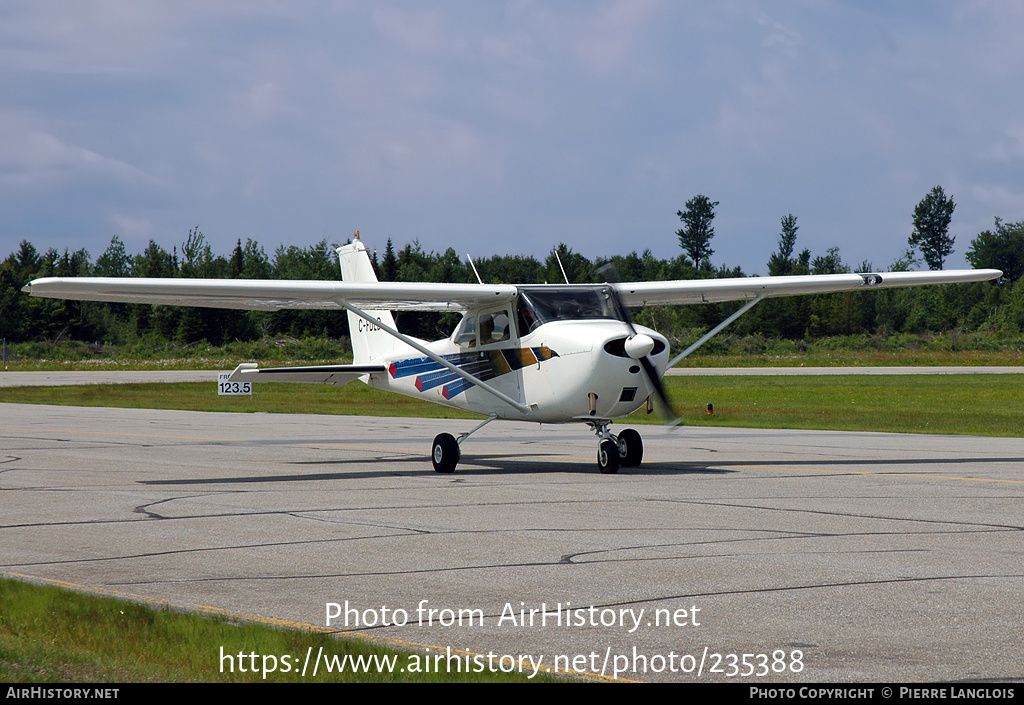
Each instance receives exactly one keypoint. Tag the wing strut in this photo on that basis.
(435, 357)
(714, 331)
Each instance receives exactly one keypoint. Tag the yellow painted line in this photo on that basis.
(344, 446)
(118, 434)
(421, 451)
(879, 474)
(392, 642)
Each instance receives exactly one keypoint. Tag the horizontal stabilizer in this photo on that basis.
(315, 374)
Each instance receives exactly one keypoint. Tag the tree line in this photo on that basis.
(996, 307)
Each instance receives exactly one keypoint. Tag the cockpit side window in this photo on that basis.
(493, 327)
(483, 329)
(465, 335)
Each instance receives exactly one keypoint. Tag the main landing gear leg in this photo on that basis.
(446, 452)
(626, 449)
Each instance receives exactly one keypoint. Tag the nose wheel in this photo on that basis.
(608, 457)
(613, 452)
(631, 448)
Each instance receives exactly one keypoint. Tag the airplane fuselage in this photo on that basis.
(554, 369)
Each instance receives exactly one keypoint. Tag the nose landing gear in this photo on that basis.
(608, 457)
(625, 449)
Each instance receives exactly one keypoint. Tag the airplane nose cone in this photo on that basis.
(638, 346)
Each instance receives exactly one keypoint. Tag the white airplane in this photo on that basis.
(543, 353)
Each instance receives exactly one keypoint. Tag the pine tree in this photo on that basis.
(695, 236)
(782, 263)
(389, 265)
(931, 227)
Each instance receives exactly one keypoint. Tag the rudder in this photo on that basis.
(369, 343)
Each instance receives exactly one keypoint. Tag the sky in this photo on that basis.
(507, 127)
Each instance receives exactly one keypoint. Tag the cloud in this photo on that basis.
(34, 158)
(133, 229)
(1010, 145)
(608, 39)
(431, 119)
(418, 31)
(1001, 199)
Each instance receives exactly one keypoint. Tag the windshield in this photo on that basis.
(538, 305)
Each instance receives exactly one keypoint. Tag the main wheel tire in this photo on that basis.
(445, 453)
(631, 448)
(608, 457)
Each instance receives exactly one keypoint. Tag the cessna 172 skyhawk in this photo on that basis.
(544, 353)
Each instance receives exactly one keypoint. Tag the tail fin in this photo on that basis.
(369, 343)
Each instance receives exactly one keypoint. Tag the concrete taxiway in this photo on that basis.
(877, 557)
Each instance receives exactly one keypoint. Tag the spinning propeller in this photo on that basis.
(638, 345)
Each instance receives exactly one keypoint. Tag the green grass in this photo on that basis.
(48, 635)
(984, 405)
(860, 358)
(989, 405)
(353, 399)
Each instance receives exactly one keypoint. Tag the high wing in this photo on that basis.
(737, 289)
(271, 295)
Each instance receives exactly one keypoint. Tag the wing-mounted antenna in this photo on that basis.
(479, 280)
(560, 266)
